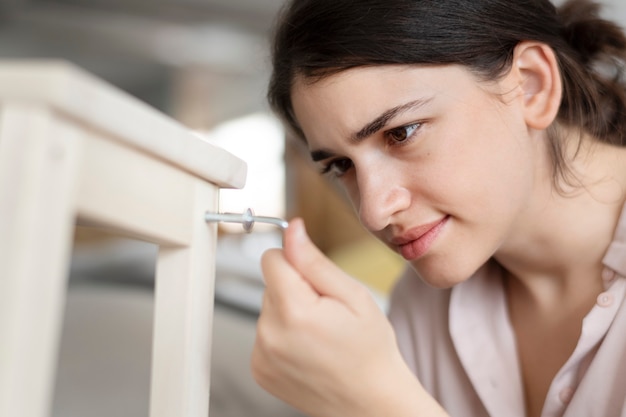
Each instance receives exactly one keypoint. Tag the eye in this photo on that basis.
(402, 134)
(337, 167)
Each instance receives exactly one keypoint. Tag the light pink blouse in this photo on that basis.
(461, 345)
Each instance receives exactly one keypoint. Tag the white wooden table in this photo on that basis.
(75, 150)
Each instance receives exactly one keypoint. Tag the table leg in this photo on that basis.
(183, 317)
(38, 172)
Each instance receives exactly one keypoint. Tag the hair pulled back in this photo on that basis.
(317, 38)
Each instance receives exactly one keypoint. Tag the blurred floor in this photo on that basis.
(104, 364)
(104, 359)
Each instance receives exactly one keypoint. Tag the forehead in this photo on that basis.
(339, 105)
(362, 81)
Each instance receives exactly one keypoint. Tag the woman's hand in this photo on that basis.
(323, 345)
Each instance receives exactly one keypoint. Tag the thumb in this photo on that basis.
(321, 273)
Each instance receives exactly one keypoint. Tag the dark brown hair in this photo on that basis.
(317, 38)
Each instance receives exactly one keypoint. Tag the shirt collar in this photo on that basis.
(615, 257)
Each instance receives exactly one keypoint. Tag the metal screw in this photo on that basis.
(247, 219)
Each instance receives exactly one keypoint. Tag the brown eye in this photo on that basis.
(401, 134)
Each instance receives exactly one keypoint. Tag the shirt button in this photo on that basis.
(608, 275)
(566, 395)
(605, 299)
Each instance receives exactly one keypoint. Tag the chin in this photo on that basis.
(443, 275)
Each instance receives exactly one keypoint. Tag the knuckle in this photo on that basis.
(258, 367)
(268, 342)
(294, 317)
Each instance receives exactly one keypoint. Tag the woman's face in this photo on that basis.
(438, 166)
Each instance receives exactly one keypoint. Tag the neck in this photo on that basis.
(555, 252)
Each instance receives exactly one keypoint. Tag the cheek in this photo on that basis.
(480, 169)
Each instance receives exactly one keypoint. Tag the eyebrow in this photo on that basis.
(373, 126)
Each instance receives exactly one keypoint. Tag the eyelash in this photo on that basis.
(409, 131)
(413, 127)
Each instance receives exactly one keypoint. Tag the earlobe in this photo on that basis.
(538, 70)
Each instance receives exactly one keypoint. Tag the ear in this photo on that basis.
(535, 65)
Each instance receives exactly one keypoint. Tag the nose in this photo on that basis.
(380, 197)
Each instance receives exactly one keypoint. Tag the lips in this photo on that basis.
(417, 241)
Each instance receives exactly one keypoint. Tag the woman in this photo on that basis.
(483, 141)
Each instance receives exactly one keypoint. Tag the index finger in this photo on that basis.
(283, 283)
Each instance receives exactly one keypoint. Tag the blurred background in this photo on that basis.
(204, 63)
